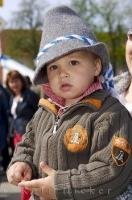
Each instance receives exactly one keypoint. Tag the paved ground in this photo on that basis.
(8, 191)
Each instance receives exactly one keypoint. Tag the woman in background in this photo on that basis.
(123, 82)
(123, 86)
(23, 105)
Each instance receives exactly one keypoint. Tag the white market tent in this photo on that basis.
(8, 64)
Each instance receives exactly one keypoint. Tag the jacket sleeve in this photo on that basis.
(24, 150)
(108, 170)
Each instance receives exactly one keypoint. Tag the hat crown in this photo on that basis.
(63, 21)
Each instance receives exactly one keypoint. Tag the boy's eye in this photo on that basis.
(74, 62)
(52, 67)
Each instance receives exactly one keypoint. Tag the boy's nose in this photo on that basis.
(64, 74)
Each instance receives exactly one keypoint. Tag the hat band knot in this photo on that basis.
(82, 38)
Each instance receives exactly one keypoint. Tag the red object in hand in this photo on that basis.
(25, 194)
(17, 138)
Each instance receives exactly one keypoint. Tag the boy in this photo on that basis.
(81, 133)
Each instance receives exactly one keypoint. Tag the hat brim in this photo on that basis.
(63, 48)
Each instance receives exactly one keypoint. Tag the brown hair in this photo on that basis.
(14, 74)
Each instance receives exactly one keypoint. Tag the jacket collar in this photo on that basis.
(95, 100)
(60, 101)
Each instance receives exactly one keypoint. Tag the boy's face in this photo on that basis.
(71, 75)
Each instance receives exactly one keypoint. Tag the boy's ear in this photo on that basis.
(98, 67)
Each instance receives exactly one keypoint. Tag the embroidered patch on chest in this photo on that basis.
(76, 139)
(121, 150)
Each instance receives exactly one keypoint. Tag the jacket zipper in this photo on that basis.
(55, 125)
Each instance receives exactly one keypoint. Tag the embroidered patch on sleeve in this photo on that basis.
(121, 150)
(76, 139)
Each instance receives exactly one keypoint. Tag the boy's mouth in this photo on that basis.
(65, 87)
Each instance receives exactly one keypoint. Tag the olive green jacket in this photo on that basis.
(89, 146)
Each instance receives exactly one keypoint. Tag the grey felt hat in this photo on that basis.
(64, 32)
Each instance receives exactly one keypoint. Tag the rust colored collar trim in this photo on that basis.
(48, 104)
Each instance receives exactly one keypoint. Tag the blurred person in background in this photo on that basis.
(123, 85)
(123, 82)
(4, 108)
(23, 105)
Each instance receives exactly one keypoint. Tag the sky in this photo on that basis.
(12, 5)
(8, 7)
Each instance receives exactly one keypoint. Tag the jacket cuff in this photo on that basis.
(26, 160)
(63, 185)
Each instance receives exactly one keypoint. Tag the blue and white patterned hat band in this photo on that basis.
(84, 39)
(65, 32)
(107, 78)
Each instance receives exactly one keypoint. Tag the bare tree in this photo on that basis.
(106, 16)
(85, 10)
(29, 14)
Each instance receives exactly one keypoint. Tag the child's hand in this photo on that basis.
(43, 187)
(19, 171)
